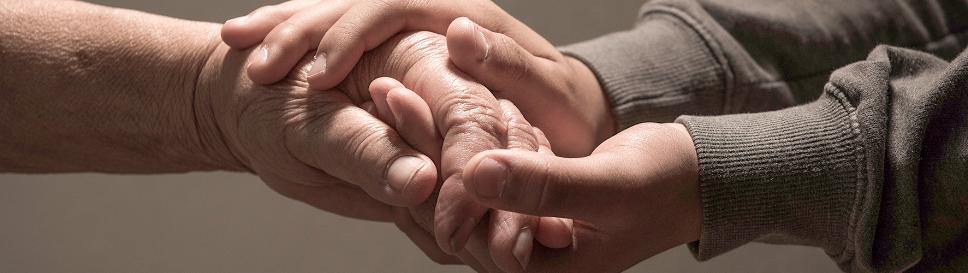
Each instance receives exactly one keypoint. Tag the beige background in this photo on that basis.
(225, 222)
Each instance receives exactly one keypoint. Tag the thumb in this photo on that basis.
(496, 60)
(545, 185)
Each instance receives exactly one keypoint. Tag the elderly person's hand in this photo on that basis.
(635, 196)
(560, 94)
(304, 142)
(129, 92)
(318, 147)
(509, 242)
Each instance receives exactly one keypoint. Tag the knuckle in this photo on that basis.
(290, 33)
(470, 112)
(424, 45)
(540, 182)
(341, 35)
(366, 142)
(521, 136)
(351, 140)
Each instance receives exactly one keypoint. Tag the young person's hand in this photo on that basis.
(342, 30)
(635, 196)
(557, 93)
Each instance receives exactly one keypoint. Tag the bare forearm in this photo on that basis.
(91, 88)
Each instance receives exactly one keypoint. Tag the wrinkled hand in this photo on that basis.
(635, 196)
(559, 94)
(314, 146)
(509, 242)
(305, 143)
(470, 120)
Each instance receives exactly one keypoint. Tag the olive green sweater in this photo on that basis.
(800, 139)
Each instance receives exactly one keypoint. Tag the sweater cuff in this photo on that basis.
(657, 71)
(787, 176)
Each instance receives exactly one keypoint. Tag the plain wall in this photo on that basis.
(229, 222)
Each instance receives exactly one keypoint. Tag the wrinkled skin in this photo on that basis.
(557, 93)
(306, 143)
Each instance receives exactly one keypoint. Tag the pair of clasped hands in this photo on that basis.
(438, 144)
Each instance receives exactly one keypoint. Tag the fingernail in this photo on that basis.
(489, 178)
(402, 171)
(522, 247)
(319, 64)
(397, 117)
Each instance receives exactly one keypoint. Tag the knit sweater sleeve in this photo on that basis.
(874, 171)
(869, 166)
(707, 57)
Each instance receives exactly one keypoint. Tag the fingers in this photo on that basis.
(544, 145)
(371, 23)
(455, 216)
(362, 28)
(366, 26)
(470, 121)
(379, 88)
(511, 236)
(498, 61)
(408, 113)
(554, 232)
(520, 133)
(511, 242)
(291, 39)
(475, 255)
(513, 71)
(477, 248)
(246, 31)
(511, 239)
(350, 144)
(540, 184)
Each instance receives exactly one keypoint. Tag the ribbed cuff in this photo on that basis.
(787, 176)
(655, 72)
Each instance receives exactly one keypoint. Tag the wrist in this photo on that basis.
(208, 104)
(591, 100)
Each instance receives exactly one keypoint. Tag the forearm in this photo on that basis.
(91, 88)
(704, 57)
(872, 171)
